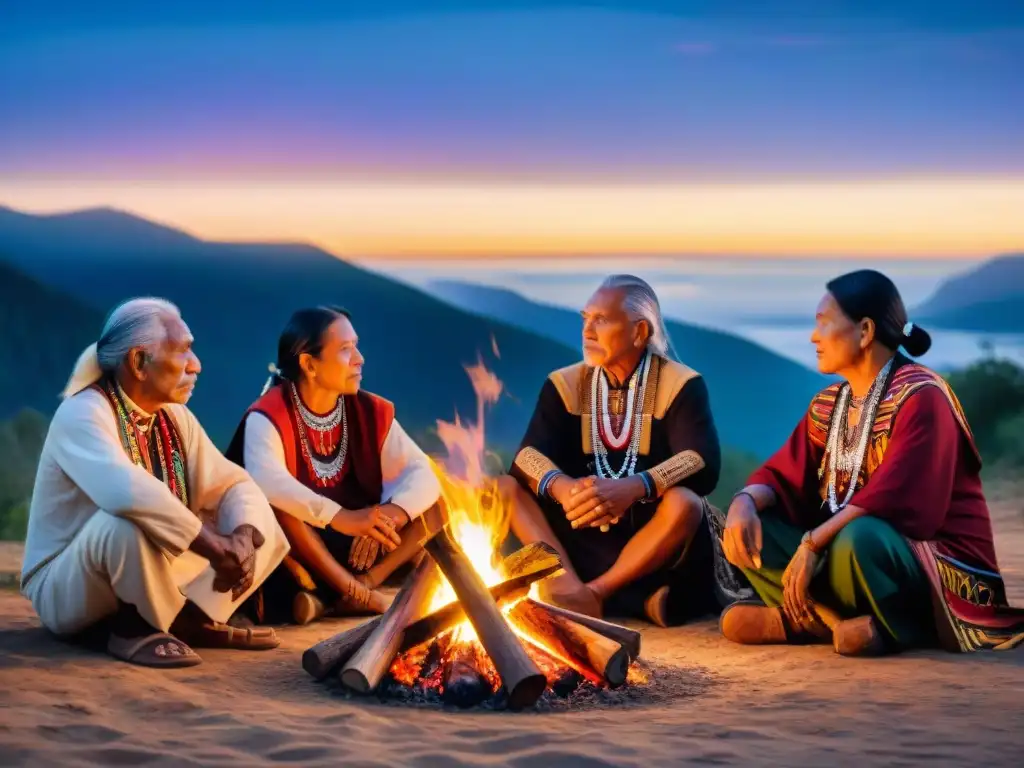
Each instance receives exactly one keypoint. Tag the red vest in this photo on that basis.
(368, 418)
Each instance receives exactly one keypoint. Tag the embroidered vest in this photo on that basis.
(369, 420)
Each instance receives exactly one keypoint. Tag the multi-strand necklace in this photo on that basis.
(841, 455)
(603, 436)
(141, 438)
(323, 431)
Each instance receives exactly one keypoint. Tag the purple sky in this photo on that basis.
(538, 90)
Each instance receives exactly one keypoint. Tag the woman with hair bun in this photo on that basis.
(869, 528)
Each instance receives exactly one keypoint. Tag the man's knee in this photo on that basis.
(113, 534)
(862, 539)
(682, 508)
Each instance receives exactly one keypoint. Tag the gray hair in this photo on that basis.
(135, 323)
(641, 303)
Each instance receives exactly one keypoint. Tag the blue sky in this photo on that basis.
(101, 100)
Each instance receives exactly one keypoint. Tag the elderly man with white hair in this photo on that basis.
(615, 466)
(137, 520)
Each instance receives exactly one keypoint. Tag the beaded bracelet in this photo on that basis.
(545, 482)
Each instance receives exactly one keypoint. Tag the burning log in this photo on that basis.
(574, 643)
(629, 638)
(464, 683)
(523, 567)
(365, 669)
(414, 536)
(531, 563)
(523, 681)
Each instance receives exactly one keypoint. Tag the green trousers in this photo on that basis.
(869, 569)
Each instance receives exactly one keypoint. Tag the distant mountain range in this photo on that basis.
(988, 298)
(757, 396)
(237, 297)
(61, 274)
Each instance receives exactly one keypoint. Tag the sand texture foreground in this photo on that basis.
(61, 705)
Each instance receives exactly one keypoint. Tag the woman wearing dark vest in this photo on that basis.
(340, 472)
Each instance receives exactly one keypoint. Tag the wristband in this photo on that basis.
(545, 482)
(749, 495)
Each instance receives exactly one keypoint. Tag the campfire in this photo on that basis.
(464, 627)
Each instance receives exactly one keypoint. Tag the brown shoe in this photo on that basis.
(753, 624)
(858, 637)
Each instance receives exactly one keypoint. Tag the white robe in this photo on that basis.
(408, 479)
(101, 528)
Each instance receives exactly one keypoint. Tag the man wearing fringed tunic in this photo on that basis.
(343, 476)
(869, 528)
(615, 466)
(137, 523)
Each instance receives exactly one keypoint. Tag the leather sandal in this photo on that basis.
(217, 635)
(160, 650)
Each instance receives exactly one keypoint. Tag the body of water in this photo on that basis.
(950, 349)
(724, 293)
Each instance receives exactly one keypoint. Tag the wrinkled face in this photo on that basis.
(168, 373)
(609, 335)
(838, 340)
(339, 367)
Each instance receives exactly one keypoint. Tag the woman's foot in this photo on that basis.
(753, 624)
(567, 591)
(656, 607)
(307, 607)
(859, 637)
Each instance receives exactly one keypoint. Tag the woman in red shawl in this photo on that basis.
(869, 527)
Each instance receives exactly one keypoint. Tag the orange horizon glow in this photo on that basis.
(933, 218)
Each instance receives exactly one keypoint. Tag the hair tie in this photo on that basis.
(275, 372)
(908, 329)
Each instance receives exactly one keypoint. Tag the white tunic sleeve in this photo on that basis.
(84, 442)
(409, 480)
(264, 460)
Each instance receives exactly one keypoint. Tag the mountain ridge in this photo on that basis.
(237, 298)
(988, 297)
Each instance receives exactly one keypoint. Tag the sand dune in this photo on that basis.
(67, 706)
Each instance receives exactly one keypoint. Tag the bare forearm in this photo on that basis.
(763, 496)
(827, 531)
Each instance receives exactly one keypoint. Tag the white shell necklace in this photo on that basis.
(325, 471)
(839, 457)
(631, 423)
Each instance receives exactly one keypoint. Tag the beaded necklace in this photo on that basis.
(142, 442)
(324, 466)
(603, 436)
(842, 456)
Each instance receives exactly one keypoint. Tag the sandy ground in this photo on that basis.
(65, 706)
